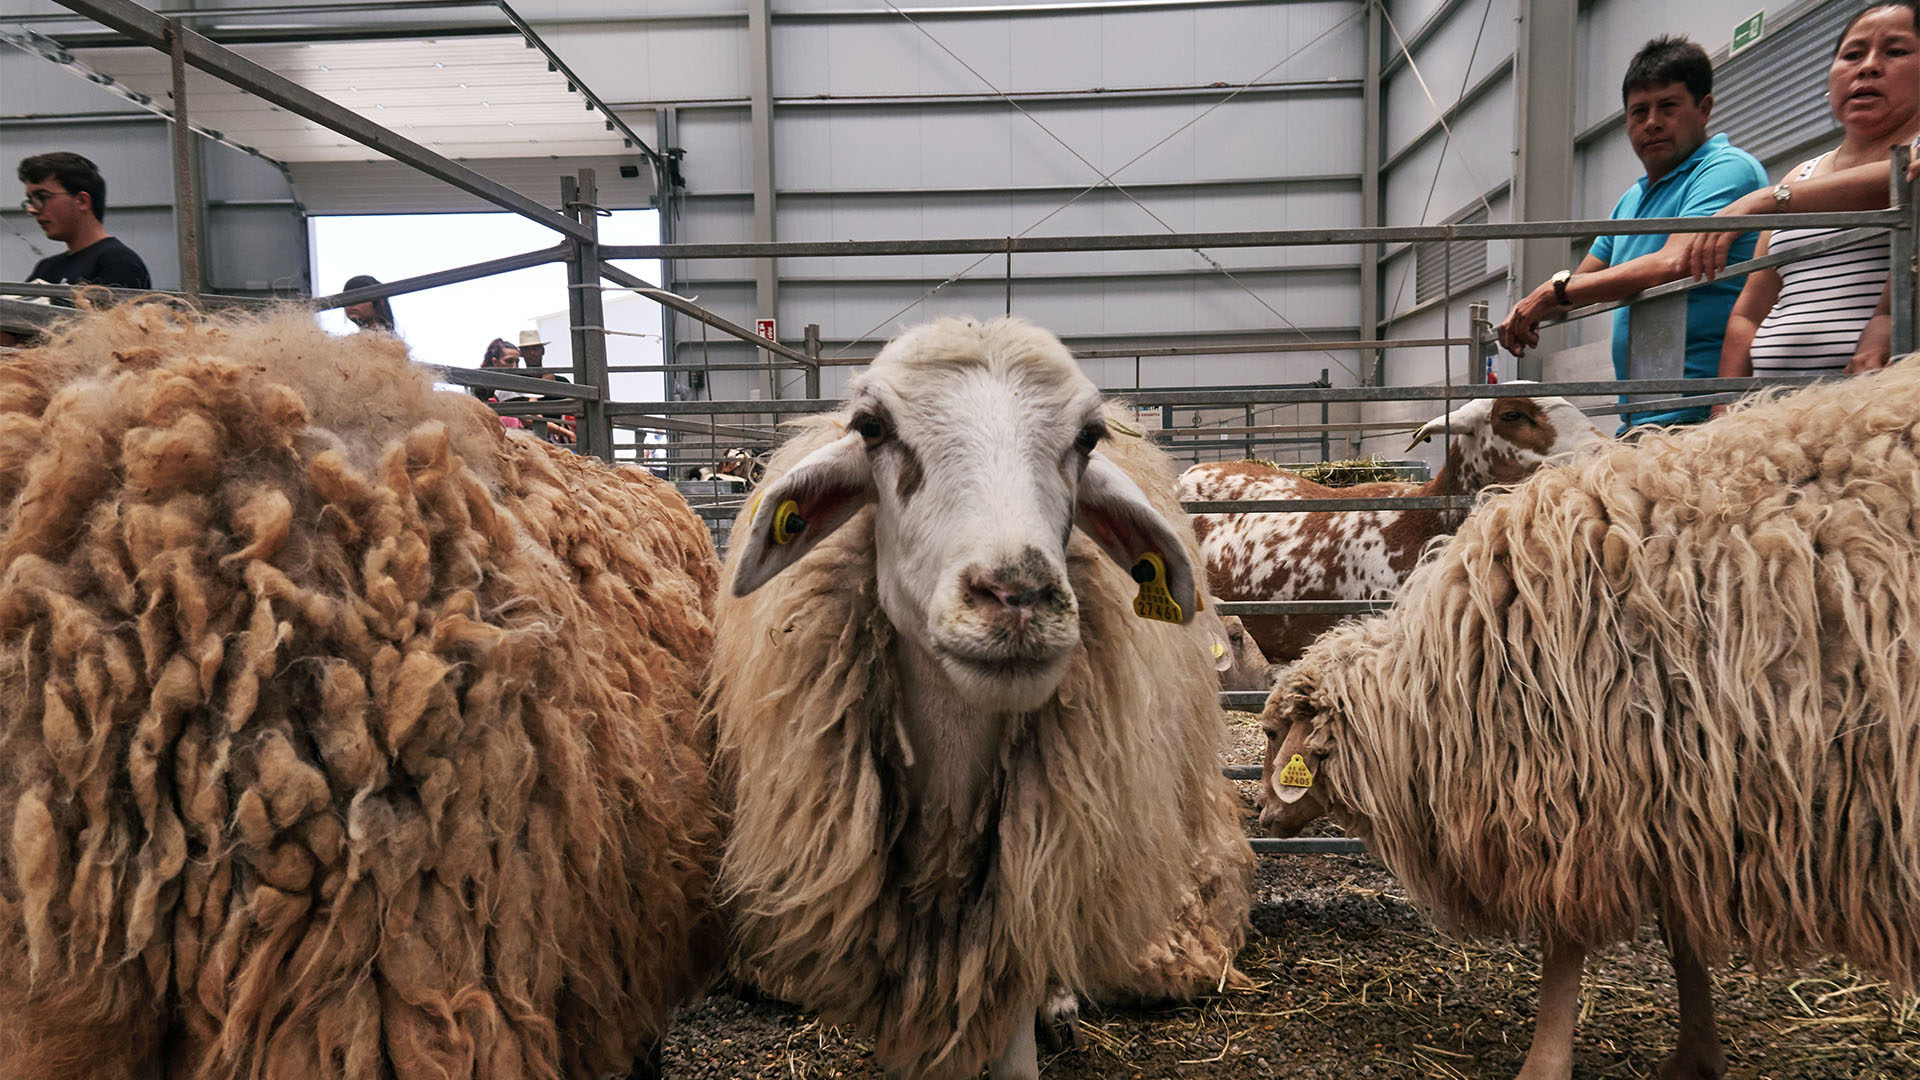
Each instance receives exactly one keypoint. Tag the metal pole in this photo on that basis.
(148, 28)
(813, 373)
(1903, 278)
(1373, 364)
(580, 200)
(185, 210)
(1479, 328)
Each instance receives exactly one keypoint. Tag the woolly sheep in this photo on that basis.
(342, 733)
(963, 771)
(1677, 679)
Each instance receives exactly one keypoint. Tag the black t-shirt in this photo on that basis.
(103, 262)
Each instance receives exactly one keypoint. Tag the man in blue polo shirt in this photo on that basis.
(1669, 98)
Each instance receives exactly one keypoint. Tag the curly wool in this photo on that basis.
(341, 733)
(1679, 677)
(1112, 859)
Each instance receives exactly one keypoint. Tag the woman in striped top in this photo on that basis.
(1825, 314)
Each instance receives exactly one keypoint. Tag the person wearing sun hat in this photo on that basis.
(533, 351)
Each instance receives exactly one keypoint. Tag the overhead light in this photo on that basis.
(324, 67)
(438, 64)
(463, 86)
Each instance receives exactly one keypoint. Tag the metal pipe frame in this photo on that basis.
(1225, 398)
(640, 285)
(148, 28)
(1272, 238)
(423, 282)
(65, 292)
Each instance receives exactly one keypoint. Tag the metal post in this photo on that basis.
(1543, 77)
(1373, 365)
(813, 350)
(1249, 420)
(766, 280)
(185, 211)
(586, 317)
(1903, 278)
(1480, 329)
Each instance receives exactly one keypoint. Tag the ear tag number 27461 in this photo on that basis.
(1154, 601)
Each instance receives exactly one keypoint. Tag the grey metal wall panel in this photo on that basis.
(388, 187)
(1771, 97)
(255, 249)
(989, 145)
(717, 150)
(1478, 159)
(662, 62)
(133, 156)
(30, 86)
(1442, 61)
(1613, 30)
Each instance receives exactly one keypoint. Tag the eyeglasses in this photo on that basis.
(38, 200)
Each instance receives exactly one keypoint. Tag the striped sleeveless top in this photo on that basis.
(1825, 301)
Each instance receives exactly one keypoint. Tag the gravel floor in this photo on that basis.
(1352, 982)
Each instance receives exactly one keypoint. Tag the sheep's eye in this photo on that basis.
(1089, 437)
(871, 429)
(1512, 416)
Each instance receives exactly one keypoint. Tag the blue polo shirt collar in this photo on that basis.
(1707, 149)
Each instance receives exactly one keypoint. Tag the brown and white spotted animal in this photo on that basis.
(1362, 555)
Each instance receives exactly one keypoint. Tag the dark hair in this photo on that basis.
(496, 349)
(1912, 7)
(72, 172)
(382, 309)
(1668, 59)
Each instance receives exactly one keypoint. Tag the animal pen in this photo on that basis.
(697, 432)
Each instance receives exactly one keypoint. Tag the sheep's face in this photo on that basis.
(1287, 805)
(978, 446)
(1503, 440)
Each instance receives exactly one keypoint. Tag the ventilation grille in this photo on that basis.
(1769, 99)
(1430, 266)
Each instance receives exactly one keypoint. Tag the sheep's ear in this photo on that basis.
(1115, 513)
(786, 518)
(1213, 631)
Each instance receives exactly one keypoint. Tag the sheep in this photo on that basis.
(1673, 679)
(1360, 555)
(342, 732)
(963, 772)
(1236, 656)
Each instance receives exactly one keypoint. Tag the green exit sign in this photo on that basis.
(1746, 33)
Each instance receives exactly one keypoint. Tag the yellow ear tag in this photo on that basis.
(1296, 774)
(1219, 650)
(1154, 601)
(787, 523)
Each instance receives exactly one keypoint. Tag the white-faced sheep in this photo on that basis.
(1363, 554)
(963, 770)
(342, 733)
(1678, 679)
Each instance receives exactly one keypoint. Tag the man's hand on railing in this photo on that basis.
(1520, 330)
(1706, 253)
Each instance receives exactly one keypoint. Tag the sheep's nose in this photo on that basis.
(1009, 592)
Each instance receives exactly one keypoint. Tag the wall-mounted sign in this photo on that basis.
(1746, 33)
(764, 327)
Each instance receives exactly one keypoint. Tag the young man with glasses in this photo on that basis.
(68, 199)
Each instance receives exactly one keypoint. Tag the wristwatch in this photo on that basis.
(1781, 193)
(1560, 287)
